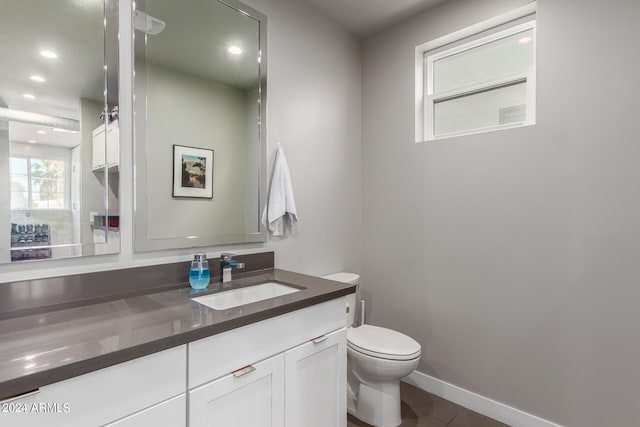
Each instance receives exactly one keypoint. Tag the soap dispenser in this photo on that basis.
(199, 274)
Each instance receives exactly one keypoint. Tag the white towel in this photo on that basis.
(281, 201)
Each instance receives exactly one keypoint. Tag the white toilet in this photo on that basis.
(377, 358)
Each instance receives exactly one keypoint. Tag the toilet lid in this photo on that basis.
(382, 342)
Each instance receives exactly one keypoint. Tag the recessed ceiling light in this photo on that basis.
(234, 50)
(49, 54)
(38, 79)
(28, 96)
(32, 141)
(41, 132)
(525, 40)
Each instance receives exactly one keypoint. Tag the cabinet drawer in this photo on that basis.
(103, 396)
(218, 355)
(172, 413)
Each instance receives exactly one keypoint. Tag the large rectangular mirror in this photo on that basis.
(200, 97)
(58, 129)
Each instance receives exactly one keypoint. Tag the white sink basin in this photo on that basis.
(242, 296)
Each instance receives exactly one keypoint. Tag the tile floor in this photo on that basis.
(422, 409)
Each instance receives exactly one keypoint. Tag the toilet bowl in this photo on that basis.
(377, 359)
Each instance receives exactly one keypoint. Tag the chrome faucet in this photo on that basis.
(227, 263)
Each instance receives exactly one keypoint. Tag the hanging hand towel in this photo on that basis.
(281, 201)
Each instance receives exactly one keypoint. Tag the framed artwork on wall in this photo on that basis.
(192, 172)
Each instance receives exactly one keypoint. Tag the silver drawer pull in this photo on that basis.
(319, 339)
(21, 396)
(242, 371)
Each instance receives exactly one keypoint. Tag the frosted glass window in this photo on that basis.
(504, 56)
(484, 109)
(481, 85)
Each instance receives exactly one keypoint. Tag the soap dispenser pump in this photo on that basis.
(199, 274)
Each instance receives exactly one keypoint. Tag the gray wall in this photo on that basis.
(313, 110)
(194, 112)
(512, 256)
(314, 98)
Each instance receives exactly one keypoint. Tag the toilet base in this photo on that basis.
(377, 404)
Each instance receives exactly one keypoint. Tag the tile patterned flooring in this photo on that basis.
(422, 409)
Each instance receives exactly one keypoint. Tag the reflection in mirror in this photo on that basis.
(58, 193)
(200, 76)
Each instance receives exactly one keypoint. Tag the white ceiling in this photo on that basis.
(73, 28)
(365, 17)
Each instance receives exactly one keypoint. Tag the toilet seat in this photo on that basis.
(382, 343)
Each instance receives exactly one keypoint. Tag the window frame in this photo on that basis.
(528, 75)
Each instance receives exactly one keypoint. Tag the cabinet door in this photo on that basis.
(315, 382)
(252, 399)
(171, 413)
(98, 144)
(113, 145)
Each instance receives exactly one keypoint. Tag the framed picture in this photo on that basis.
(192, 172)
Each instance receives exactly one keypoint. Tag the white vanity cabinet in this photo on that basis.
(104, 396)
(288, 370)
(297, 359)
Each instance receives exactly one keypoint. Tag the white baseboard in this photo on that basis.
(470, 400)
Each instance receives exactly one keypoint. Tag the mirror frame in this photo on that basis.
(141, 241)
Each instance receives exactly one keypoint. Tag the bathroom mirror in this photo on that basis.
(57, 88)
(200, 98)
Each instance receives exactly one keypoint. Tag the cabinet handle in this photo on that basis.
(242, 371)
(21, 396)
(319, 339)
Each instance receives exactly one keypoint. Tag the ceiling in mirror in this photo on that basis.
(53, 94)
(59, 45)
(207, 39)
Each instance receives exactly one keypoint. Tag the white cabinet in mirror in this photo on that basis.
(106, 149)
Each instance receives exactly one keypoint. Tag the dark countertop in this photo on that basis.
(43, 348)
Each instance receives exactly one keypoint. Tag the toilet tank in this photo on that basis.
(352, 279)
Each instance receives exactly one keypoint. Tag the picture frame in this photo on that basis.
(192, 172)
